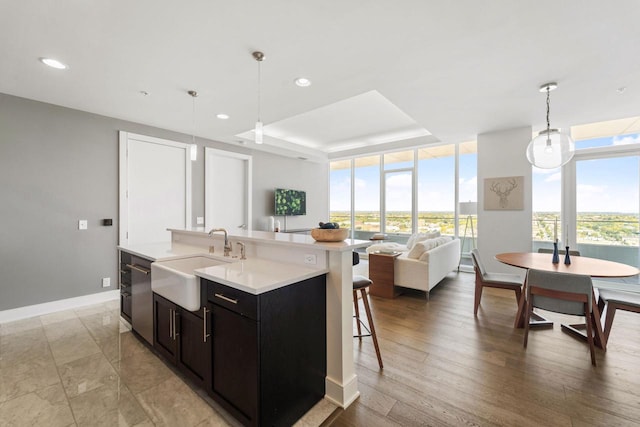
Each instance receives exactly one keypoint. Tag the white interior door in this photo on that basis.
(227, 190)
(155, 188)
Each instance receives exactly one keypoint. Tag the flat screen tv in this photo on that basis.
(290, 202)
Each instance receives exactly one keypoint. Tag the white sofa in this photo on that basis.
(422, 270)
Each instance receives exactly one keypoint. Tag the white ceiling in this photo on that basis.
(381, 70)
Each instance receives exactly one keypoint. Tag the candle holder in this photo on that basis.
(556, 258)
(567, 260)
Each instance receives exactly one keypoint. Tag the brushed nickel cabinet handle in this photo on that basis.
(227, 299)
(171, 319)
(205, 335)
(175, 328)
(140, 269)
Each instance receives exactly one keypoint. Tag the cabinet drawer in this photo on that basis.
(233, 299)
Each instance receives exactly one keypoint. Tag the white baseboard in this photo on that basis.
(60, 305)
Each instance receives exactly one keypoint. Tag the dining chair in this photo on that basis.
(561, 293)
(611, 300)
(572, 252)
(512, 282)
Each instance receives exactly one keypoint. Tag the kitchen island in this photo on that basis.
(276, 260)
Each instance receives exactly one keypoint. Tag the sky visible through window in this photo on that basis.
(434, 195)
(610, 186)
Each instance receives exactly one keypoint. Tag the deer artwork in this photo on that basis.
(503, 189)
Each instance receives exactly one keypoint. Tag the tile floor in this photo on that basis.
(84, 367)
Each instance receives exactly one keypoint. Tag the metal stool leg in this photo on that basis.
(355, 305)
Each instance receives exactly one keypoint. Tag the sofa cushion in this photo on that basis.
(421, 248)
(419, 237)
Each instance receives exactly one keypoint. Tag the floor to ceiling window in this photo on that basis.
(366, 194)
(546, 207)
(340, 185)
(400, 193)
(436, 189)
(607, 207)
(599, 192)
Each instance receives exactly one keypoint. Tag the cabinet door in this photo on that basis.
(235, 363)
(164, 312)
(194, 345)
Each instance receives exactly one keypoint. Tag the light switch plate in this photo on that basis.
(106, 282)
(199, 220)
(82, 224)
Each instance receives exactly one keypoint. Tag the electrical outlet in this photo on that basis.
(82, 224)
(106, 282)
(199, 220)
(310, 259)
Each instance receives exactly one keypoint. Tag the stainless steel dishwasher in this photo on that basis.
(141, 298)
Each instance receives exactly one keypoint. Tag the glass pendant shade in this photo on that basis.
(550, 149)
(258, 132)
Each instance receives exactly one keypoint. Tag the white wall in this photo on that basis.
(500, 154)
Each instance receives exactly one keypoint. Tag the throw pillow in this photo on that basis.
(422, 247)
(419, 237)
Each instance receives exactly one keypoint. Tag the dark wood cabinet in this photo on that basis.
(268, 352)
(194, 354)
(235, 361)
(164, 319)
(125, 286)
(182, 337)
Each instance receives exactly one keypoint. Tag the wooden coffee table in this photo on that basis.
(579, 265)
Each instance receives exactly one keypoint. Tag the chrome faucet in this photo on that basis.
(243, 254)
(227, 245)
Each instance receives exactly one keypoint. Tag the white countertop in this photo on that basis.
(252, 275)
(286, 239)
(163, 251)
(257, 276)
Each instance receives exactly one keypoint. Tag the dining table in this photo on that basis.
(593, 267)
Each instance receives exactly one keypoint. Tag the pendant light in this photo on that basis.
(258, 56)
(551, 148)
(194, 147)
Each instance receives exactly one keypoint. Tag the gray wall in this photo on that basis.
(271, 171)
(59, 165)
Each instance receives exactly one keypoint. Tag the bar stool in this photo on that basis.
(361, 283)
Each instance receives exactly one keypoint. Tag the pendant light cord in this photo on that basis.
(259, 86)
(548, 103)
(193, 119)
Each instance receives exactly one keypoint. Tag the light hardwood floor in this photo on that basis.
(443, 367)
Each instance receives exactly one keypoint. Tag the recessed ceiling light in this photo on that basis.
(54, 63)
(302, 82)
(222, 116)
(621, 89)
(144, 93)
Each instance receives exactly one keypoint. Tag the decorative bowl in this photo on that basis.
(329, 234)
